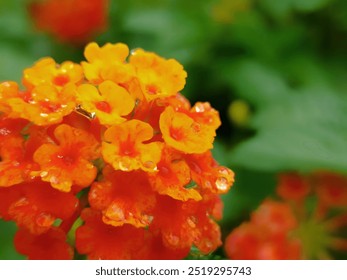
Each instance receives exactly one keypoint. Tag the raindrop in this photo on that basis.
(172, 239)
(222, 184)
(124, 165)
(200, 108)
(191, 222)
(44, 220)
(150, 165)
(115, 213)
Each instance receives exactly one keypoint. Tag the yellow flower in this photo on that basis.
(107, 63)
(47, 71)
(44, 105)
(124, 149)
(109, 102)
(159, 77)
(188, 132)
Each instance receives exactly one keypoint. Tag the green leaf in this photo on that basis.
(282, 8)
(256, 82)
(310, 5)
(306, 131)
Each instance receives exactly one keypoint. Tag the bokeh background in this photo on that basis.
(275, 70)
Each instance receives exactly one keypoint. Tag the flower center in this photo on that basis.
(103, 106)
(61, 80)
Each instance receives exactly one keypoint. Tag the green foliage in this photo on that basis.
(7, 250)
(297, 128)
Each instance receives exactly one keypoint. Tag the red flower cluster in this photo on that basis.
(303, 224)
(74, 21)
(108, 157)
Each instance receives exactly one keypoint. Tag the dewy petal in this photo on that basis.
(183, 133)
(160, 77)
(100, 241)
(44, 105)
(172, 177)
(69, 162)
(184, 224)
(124, 149)
(51, 245)
(107, 63)
(47, 71)
(8, 90)
(208, 174)
(36, 205)
(123, 198)
(110, 104)
(14, 165)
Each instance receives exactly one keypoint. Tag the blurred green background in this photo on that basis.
(276, 71)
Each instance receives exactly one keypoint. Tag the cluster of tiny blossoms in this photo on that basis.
(72, 21)
(108, 158)
(306, 222)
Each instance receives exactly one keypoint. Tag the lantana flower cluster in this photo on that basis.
(107, 159)
(307, 221)
(71, 21)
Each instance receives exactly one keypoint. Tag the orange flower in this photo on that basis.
(109, 104)
(100, 241)
(68, 162)
(160, 77)
(291, 228)
(123, 198)
(107, 63)
(253, 242)
(7, 90)
(293, 187)
(47, 71)
(12, 165)
(124, 149)
(74, 21)
(331, 189)
(267, 236)
(15, 164)
(186, 133)
(154, 249)
(208, 174)
(44, 105)
(120, 128)
(203, 113)
(173, 176)
(36, 205)
(51, 245)
(184, 224)
(277, 217)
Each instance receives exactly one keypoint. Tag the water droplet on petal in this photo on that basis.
(43, 174)
(191, 222)
(199, 108)
(208, 244)
(44, 220)
(124, 164)
(173, 239)
(222, 184)
(53, 180)
(115, 213)
(150, 165)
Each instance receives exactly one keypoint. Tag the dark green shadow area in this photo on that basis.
(7, 250)
(249, 190)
